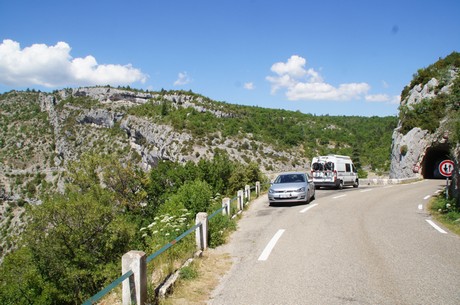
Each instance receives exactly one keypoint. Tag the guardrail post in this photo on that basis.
(201, 234)
(257, 189)
(135, 287)
(247, 190)
(226, 206)
(240, 196)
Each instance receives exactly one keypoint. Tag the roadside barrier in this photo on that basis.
(134, 263)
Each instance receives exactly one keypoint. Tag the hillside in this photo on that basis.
(43, 132)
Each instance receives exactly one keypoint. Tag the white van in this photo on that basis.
(334, 171)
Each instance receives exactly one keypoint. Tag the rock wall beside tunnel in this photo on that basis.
(417, 153)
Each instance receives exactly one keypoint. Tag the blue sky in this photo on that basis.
(321, 57)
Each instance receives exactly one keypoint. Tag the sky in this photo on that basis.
(330, 57)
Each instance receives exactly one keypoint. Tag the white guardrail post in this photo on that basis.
(226, 206)
(201, 234)
(240, 196)
(257, 189)
(135, 287)
(247, 191)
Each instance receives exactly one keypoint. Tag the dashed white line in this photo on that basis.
(436, 226)
(338, 196)
(420, 206)
(368, 190)
(388, 187)
(307, 208)
(268, 249)
(426, 197)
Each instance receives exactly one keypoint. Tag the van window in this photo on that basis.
(317, 166)
(347, 167)
(329, 166)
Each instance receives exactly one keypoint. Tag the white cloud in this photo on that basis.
(53, 66)
(377, 98)
(396, 100)
(383, 98)
(183, 79)
(249, 86)
(302, 84)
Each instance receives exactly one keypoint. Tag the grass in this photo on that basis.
(207, 272)
(445, 212)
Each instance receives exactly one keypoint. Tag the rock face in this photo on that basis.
(418, 152)
(98, 118)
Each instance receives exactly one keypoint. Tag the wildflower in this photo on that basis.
(142, 229)
(154, 232)
(167, 234)
(144, 235)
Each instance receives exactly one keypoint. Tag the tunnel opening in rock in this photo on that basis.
(434, 156)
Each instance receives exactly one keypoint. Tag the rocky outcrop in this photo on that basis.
(410, 151)
(151, 141)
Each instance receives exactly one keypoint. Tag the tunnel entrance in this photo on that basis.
(430, 163)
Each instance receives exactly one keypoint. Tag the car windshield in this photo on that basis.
(290, 178)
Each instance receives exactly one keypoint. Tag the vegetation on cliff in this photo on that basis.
(73, 244)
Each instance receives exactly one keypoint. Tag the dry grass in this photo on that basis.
(211, 267)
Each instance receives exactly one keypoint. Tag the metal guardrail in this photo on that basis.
(108, 288)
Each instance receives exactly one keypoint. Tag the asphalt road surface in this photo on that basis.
(370, 245)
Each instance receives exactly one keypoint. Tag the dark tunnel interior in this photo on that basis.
(430, 164)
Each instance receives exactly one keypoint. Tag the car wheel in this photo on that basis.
(340, 186)
(356, 184)
(313, 197)
(307, 199)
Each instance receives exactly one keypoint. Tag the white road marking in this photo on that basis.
(420, 206)
(426, 197)
(268, 249)
(307, 208)
(436, 226)
(338, 196)
(388, 187)
(368, 190)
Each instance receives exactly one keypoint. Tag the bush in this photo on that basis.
(220, 227)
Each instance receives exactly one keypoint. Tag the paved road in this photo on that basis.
(371, 245)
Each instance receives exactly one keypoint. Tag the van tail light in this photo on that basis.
(335, 175)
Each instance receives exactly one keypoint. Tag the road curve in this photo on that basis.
(371, 245)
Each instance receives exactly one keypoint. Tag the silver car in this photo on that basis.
(291, 187)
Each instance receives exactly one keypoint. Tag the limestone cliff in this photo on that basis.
(427, 132)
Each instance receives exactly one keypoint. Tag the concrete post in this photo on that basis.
(257, 189)
(247, 190)
(201, 233)
(240, 196)
(226, 206)
(135, 287)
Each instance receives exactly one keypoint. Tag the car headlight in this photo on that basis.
(300, 190)
(271, 191)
